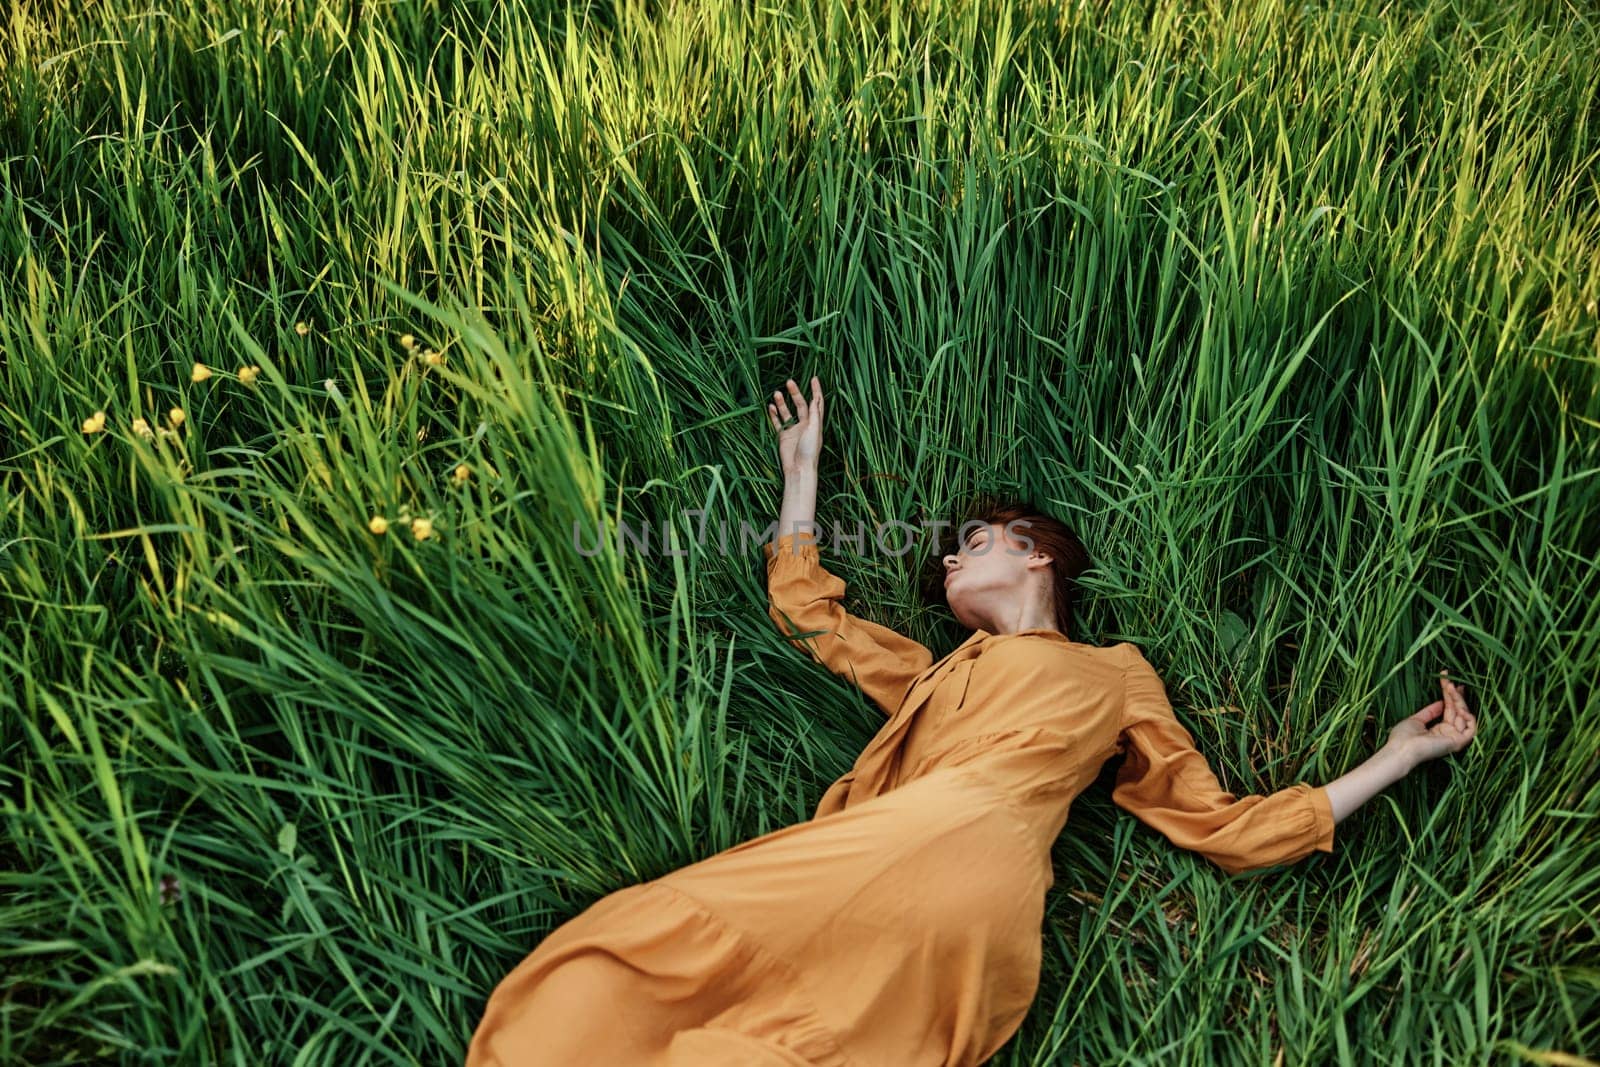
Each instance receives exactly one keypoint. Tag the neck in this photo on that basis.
(1032, 617)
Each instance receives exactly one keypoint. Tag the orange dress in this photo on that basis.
(901, 925)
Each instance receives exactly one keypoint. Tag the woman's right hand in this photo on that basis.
(800, 431)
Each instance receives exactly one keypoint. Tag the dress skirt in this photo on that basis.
(904, 930)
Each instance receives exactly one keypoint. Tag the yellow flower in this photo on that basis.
(176, 415)
(143, 429)
(408, 342)
(378, 525)
(247, 375)
(95, 423)
(421, 528)
(462, 473)
(301, 328)
(434, 358)
(200, 373)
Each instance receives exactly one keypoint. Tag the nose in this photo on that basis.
(950, 563)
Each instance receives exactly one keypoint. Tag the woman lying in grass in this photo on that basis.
(900, 926)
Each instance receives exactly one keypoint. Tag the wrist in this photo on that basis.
(1398, 757)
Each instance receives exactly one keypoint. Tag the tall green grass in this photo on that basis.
(1290, 309)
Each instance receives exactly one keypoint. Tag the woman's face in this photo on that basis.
(989, 569)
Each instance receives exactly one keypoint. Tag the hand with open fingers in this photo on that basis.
(1443, 727)
(799, 433)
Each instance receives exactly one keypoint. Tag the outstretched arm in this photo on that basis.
(1167, 783)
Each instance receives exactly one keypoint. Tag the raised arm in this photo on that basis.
(804, 599)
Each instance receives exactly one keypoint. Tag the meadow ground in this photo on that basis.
(1290, 309)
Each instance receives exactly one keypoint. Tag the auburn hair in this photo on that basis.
(1021, 519)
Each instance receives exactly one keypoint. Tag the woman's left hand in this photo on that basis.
(1420, 742)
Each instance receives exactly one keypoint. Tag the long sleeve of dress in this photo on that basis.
(804, 599)
(1167, 784)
